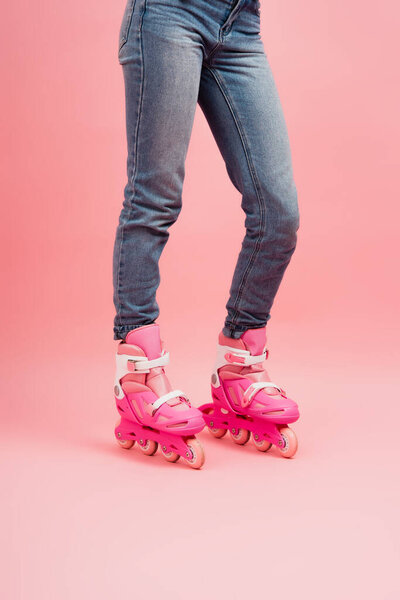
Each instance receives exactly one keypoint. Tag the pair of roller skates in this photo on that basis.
(245, 402)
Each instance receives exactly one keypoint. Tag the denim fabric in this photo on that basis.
(175, 54)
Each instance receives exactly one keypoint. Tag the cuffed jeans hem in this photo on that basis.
(237, 332)
(121, 331)
(232, 333)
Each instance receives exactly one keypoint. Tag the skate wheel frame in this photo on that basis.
(217, 432)
(281, 436)
(172, 447)
(124, 443)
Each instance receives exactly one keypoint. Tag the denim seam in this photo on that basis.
(136, 161)
(221, 84)
(212, 51)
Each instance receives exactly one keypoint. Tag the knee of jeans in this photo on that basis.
(279, 194)
(291, 218)
(282, 222)
(165, 215)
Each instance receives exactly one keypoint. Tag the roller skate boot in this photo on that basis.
(245, 401)
(152, 412)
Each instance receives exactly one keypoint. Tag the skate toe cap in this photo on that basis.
(276, 408)
(187, 422)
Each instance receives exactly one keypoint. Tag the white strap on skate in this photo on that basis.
(226, 355)
(236, 356)
(249, 359)
(170, 396)
(256, 387)
(135, 364)
(139, 364)
(127, 363)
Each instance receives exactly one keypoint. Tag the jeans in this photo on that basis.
(175, 54)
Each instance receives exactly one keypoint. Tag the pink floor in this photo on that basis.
(86, 519)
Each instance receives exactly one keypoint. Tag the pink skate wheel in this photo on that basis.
(148, 447)
(123, 443)
(197, 458)
(240, 436)
(126, 443)
(169, 456)
(260, 444)
(217, 433)
(290, 439)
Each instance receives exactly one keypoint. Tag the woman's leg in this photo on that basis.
(161, 58)
(240, 101)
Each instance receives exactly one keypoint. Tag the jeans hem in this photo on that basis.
(236, 332)
(121, 331)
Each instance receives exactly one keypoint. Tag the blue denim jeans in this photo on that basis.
(175, 54)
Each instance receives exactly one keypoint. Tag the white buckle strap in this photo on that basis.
(244, 360)
(256, 387)
(145, 365)
(170, 396)
(236, 356)
(135, 364)
(226, 355)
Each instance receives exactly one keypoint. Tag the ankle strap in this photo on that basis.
(236, 356)
(135, 364)
(139, 364)
(244, 360)
(226, 355)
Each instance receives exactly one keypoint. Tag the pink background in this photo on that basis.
(84, 519)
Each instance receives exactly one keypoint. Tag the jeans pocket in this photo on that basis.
(126, 24)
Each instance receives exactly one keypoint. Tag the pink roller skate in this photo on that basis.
(151, 411)
(245, 400)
